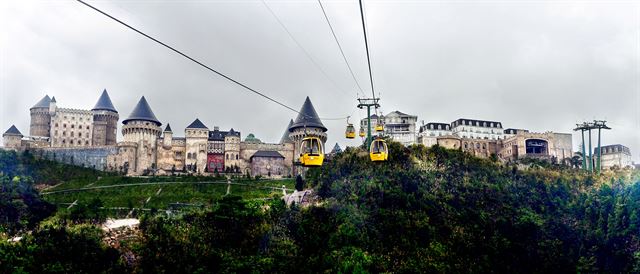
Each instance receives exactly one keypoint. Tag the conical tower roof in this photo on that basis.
(336, 149)
(285, 136)
(143, 112)
(308, 117)
(168, 128)
(13, 131)
(104, 103)
(197, 124)
(43, 103)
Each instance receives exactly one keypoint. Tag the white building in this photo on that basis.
(477, 129)
(614, 155)
(429, 133)
(401, 127)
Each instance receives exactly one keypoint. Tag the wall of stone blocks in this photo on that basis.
(94, 157)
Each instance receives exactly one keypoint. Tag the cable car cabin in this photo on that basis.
(379, 127)
(362, 134)
(350, 133)
(378, 151)
(311, 152)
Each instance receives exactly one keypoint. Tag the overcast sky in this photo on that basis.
(538, 65)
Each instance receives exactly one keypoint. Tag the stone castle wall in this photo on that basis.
(93, 157)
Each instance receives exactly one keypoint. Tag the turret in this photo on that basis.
(105, 121)
(167, 136)
(41, 118)
(12, 138)
(142, 128)
(196, 137)
(52, 106)
(306, 124)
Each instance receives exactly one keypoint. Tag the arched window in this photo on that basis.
(86, 143)
(72, 126)
(227, 156)
(478, 145)
(236, 156)
(71, 142)
(79, 134)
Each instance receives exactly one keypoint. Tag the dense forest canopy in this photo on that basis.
(425, 210)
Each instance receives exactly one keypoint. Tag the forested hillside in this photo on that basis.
(425, 210)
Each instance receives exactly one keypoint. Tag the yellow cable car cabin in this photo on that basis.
(350, 133)
(311, 152)
(378, 150)
(362, 134)
(379, 127)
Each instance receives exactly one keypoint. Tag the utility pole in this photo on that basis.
(368, 103)
(588, 126)
(599, 124)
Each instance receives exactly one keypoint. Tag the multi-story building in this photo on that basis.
(429, 133)
(477, 129)
(614, 156)
(400, 127)
(486, 138)
(88, 138)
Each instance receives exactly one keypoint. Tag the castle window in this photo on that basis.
(227, 156)
(79, 134)
(71, 134)
(56, 124)
(71, 142)
(236, 156)
(86, 143)
(64, 125)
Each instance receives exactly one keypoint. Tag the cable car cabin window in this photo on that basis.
(311, 147)
(377, 147)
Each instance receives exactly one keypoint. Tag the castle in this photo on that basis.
(88, 138)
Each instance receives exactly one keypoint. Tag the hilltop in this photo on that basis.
(425, 210)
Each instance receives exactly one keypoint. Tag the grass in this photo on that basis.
(190, 190)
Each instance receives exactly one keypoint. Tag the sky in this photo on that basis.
(537, 65)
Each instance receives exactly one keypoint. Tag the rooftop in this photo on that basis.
(104, 103)
(143, 112)
(307, 117)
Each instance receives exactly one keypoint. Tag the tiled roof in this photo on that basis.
(104, 103)
(142, 111)
(197, 124)
(43, 103)
(307, 117)
(285, 136)
(12, 131)
(267, 153)
(168, 128)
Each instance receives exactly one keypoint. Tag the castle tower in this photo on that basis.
(306, 124)
(197, 137)
(41, 118)
(232, 149)
(167, 137)
(12, 138)
(285, 136)
(142, 128)
(105, 122)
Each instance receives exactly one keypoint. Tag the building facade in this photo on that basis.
(614, 156)
(400, 127)
(88, 138)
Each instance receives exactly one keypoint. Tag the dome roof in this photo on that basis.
(307, 117)
(143, 112)
(104, 103)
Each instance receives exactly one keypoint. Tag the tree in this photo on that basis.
(299, 183)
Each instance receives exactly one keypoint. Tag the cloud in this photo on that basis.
(535, 65)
